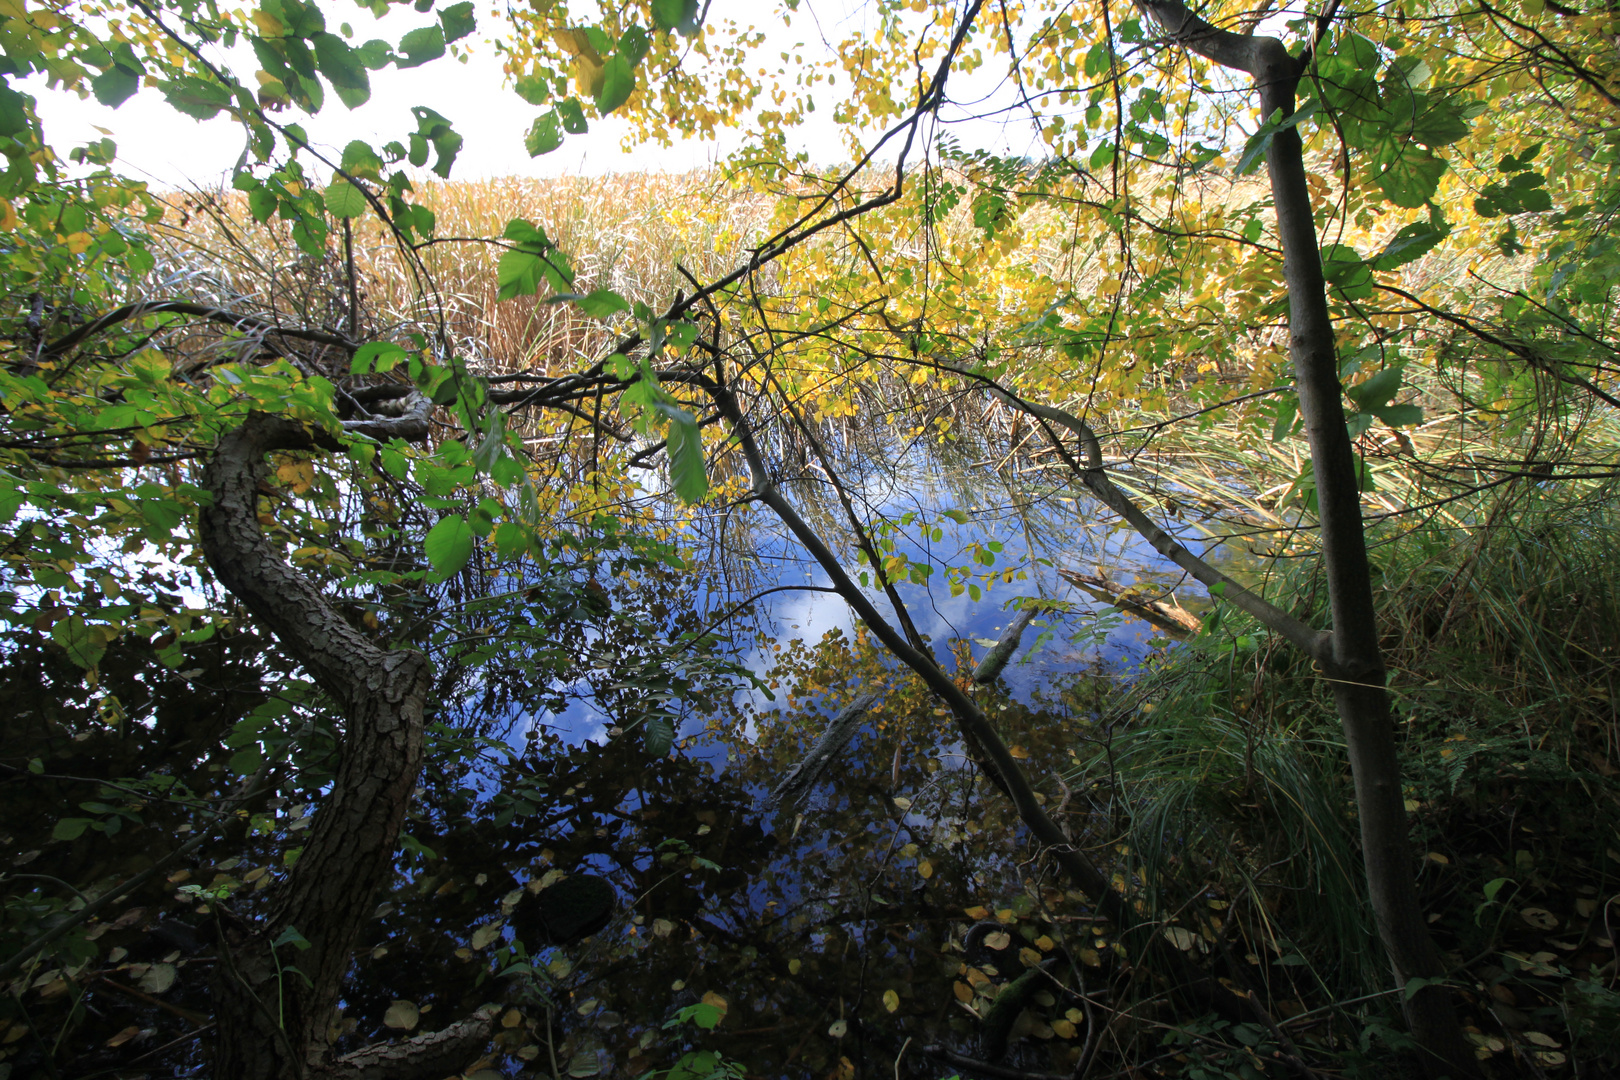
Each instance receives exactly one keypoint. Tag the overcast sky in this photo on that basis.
(162, 145)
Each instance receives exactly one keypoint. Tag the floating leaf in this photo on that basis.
(402, 1016)
(1540, 918)
(158, 978)
(1181, 937)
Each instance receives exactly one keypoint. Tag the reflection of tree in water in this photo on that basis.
(848, 916)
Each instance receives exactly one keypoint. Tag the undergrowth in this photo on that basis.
(1234, 812)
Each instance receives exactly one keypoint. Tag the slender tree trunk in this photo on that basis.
(275, 1002)
(1357, 667)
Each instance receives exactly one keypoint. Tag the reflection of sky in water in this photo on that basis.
(1038, 533)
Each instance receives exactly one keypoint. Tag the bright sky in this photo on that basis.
(164, 146)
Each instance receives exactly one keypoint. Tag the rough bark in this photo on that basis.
(1355, 663)
(272, 1023)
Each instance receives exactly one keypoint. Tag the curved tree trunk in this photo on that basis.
(272, 1021)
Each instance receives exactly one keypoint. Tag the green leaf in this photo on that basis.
(115, 86)
(197, 98)
(344, 200)
(1260, 141)
(344, 69)
(1407, 173)
(360, 159)
(1410, 244)
(1439, 125)
(659, 734)
(70, 828)
(1376, 392)
(13, 111)
(375, 355)
(618, 83)
(545, 135)
(375, 54)
(1400, 415)
(433, 128)
(633, 45)
(85, 644)
(421, 46)
(686, 466)
(458, 20)
(517, 273)
(601, 303)
(1098, 60)
(448, 546)
(1346, 271)
(573, 116)
(676, 15)
(291, 936)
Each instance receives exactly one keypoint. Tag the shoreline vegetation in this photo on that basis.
(334, 513)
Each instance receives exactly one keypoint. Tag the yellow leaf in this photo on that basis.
(1540, 918)
(268, 24)
(926, 869)
(8, 216)
(576, 43)
(998, 940)
(1018, 753)
(484, 935)
(402, 1016)
(78, 242)
(1063, 1029)
(976, 912)
(589, 75)
(512, 1019)
(891, 1000)
(794, 966)
(123, 1036)
(963, 991)
(714, 999)
(298, 475)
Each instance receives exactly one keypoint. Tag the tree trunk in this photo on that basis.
(1355, 664)
(1357, 668)
(272, 1019)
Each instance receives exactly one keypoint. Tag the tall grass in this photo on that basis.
(1226, 780)
(633, 233)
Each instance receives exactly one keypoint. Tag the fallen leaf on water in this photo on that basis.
(1540, 918)
(158, 978)
(1180, 937)
(402, 1016)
